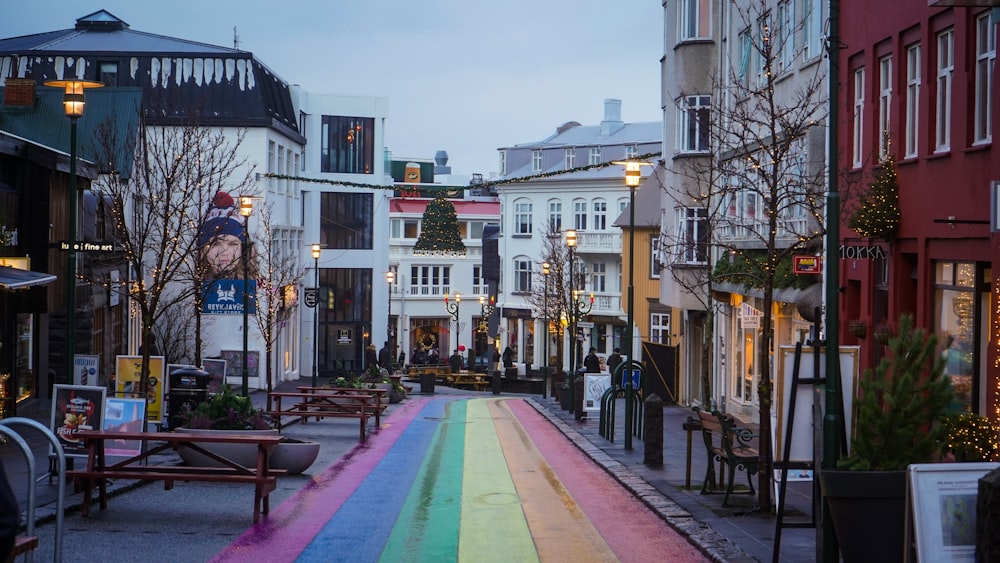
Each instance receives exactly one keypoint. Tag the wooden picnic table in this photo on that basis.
(322, 405)
(376, 393)
(98, 471)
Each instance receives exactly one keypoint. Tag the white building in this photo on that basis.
(551, 202)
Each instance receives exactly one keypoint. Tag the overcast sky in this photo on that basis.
(465, 76)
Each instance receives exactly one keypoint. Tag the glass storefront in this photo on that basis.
(955, 318)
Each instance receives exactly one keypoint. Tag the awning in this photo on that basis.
(13, 278)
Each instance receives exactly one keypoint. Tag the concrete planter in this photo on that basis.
(294, 456)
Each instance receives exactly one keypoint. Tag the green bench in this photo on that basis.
(727, 444)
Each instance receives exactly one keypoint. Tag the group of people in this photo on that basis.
(592, 363)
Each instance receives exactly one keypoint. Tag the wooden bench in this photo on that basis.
(321, 405)
(477, 381)
(98, 472)
(22, 545)
(378, 404)
(729, 445)
(442, 373)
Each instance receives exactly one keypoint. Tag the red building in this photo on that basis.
(917, 84)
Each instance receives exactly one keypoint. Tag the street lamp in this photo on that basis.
(452, 307)
(485, 310)
(580, 307)
(546, 270)
(390, 276)
(315, 255)
(73, 104)
(246, 210)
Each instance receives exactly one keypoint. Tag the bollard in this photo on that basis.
(578, 398)
(495, 382)
(653, 431)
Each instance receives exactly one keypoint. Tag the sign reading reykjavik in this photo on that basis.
(225, 297)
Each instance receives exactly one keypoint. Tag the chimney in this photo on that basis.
(19, 92)
(612, 117)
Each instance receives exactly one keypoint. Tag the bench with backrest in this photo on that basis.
(322, 405)
(727, 444)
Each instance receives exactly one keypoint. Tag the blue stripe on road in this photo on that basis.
(358, 531)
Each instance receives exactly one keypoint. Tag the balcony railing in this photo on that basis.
(603, 243)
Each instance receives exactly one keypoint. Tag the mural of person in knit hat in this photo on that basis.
(221, 238)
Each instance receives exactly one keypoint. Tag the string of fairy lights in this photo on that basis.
(478, 186)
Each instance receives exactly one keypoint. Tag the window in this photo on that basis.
(282, 184)
(404, 228)
(631, 152)
(884, 104)
(595, 155)
(765, 36)
(598, 277)
(745, 46)
(522, 217)
(502, 165)
(659, 328)
(784, 35)
(812, 28)
(694, 123)
(430, 280)
(622, 205)
(912, 98)
(986, 54)
(478, 283)
(858, 119)
(570, 159)
(694, 19)
(346, 221)
(348, 145)
(555, 216)
(600, 215)
(108, 71)
(536, 160)
(693, 235)
(945, 70)
(476, 229)
(654, 257)
(522, 274)
(579, 214)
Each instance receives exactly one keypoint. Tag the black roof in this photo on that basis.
(180, 79)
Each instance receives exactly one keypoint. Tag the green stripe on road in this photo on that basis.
(427, 526)
(493, 524)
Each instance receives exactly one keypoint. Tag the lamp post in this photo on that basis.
(546, 270)
(73, 105)
(486, 309)
(452, 307)
(246, 210)
(633, 175)
(390, 276)
(580, 307)
(315, 374)
(571, 244)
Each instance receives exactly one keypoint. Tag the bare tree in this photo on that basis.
(756, 195)
(156, 202)
(279, 268)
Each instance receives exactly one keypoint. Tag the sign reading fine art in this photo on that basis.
(225, 297)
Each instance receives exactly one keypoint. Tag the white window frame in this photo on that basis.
(912, 100)
(763, 26)
(945, 74)
(430, 280)
(692, 225)
(599, 277)
(659, 328)
(502, 165)
(580, 214)
(631, 152)
(536, 160)
(986, 55)
(594, 156)
(694, 20)
(745, 47)
(522, 274)
(600, 207)
(857, 142)
(654, 257)
(570, 160)
(522, 217)
(884, 104)
(812, 28)
(693, 124)
(785, 34)
(555, 216)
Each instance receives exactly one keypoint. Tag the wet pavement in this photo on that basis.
(199, 521)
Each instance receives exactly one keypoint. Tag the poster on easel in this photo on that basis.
(128, 373)
(941, 510)
(123, 415)
(594, 387)
(76, 408)
(216, 369)
(85, 369)
(802, 429)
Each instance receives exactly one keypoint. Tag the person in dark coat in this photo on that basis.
(508, 357)
(614, 360)
(371, 357)
(592, 363)
(385, 356)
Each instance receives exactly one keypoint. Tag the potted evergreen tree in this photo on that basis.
(899, 417)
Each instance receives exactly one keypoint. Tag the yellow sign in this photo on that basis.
(128, 373)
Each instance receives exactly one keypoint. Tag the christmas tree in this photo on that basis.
(439, 232)
(877, 214)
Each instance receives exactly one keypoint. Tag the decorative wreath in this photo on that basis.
(427, 341)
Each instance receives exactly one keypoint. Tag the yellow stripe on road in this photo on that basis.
(493, 526)
(561, 531)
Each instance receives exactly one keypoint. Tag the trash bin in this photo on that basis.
(495, 383)
(188, 389)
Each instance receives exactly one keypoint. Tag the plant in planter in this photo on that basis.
(857, 328)
(227, 411)
(899, 412)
